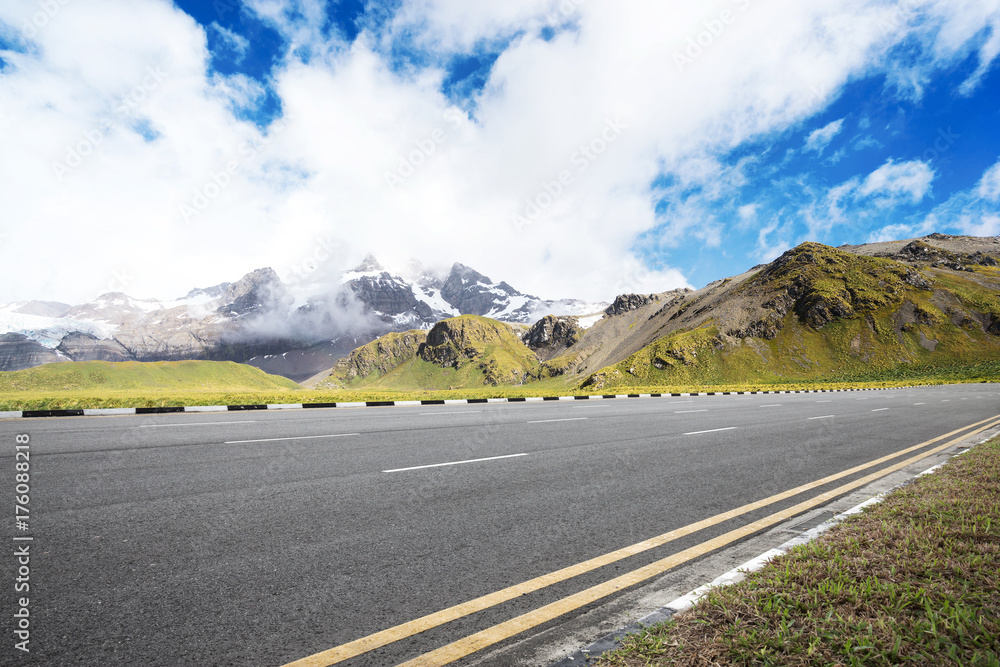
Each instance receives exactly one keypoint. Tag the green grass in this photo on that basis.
(911, 581)
(133, 375)
(208, 392)
(98, 384)
(461, 352)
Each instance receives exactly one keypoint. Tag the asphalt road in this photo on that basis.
(259, 538)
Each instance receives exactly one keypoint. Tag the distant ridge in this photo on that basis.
(815, 312)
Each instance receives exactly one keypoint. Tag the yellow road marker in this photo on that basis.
(497, 633)
(416, 626)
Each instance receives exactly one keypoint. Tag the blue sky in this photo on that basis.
(575, 148)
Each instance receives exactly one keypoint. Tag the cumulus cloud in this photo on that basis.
(989, 184)
(547, 183)
(894, 182)
(975, 212)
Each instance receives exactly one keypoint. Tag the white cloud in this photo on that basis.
(603, 104)
(238, 44)
(894, 181)
(975, 212)
(989, 185)
(461, 25)
(821, 138)
(768, 250)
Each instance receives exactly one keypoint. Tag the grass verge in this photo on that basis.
(154, 397)
(912, 581)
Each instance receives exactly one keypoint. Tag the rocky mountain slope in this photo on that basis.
(258, 320)
(816, 311)
(465, 351)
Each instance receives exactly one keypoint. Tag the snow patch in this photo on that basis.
(49, 331)
(590, 320)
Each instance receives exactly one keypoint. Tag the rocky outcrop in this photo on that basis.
(628, 302)
(18, 352)
(492, 346)
(257, 292)
(378, 357)
(919, 252)
(551, 336)
(451, 342)
(822, 284)
(87, 347)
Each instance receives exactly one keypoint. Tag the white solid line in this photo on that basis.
(823, 417)
(455, 463)
(298, 437)
(879, 409)
(712, 430)
(546, 421)
(241, 421)
(451, 412)
(684, 412)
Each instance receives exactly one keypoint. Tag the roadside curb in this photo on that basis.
(589, 654)
(97, 412)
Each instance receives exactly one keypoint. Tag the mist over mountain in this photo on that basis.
(291, 330)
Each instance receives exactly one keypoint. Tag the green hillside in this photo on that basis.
(373, 360)
(129, 376)
(461, 352)
(833, 315)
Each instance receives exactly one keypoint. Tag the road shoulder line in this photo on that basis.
(611, 641)
(89, 412)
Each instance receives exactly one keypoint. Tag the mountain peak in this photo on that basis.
(467, 274)
(368, 264)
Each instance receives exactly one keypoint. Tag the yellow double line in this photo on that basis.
(498, 633)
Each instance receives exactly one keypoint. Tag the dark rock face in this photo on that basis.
(388, 295)
(256, 292)
(447, 345)
(472, 293)
(551, 335)
(303, 364)
(86, 347)
(627, 302)
(163, 346)
(17, 352)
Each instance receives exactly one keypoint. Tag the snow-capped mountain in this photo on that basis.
(258, 320)
(418, 299)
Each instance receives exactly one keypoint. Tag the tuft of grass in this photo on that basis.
(912, 581)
